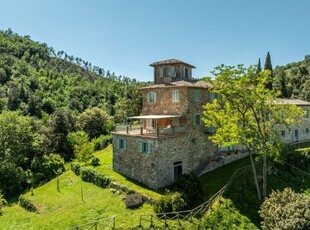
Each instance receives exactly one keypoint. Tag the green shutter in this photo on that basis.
(117, 143)
(149, 146)
(193, 119)
(155, 94)
(140, 147)
(148, 97)
(125, 144)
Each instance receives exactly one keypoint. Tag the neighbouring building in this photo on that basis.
(170, 139)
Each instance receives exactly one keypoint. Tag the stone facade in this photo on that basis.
(297, 133)
(156, 168)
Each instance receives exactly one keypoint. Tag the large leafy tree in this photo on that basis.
(95, 122)
(248, 114)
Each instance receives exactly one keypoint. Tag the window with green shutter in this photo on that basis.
(151, 97)
(175, 95)
(145, 147)
(197, 95)
(197, 119)
(121, 144)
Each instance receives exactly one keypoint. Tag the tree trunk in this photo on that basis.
(265, 177)
(255, 176)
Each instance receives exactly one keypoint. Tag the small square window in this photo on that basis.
(283, 133)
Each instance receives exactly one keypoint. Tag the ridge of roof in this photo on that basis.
(171, 61)
(182, 83)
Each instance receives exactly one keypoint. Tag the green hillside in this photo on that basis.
(293, 79)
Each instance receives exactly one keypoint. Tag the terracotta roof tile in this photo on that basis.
(171, 61)
(190, 84)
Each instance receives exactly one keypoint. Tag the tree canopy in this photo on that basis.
(247, 113)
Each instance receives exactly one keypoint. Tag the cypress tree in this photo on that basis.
(259, 68)
(268, 66)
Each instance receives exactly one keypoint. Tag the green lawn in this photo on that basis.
(60, 210)
(213, 181)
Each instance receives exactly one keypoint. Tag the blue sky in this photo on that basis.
(126, 36)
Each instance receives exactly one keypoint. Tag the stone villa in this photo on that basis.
(170, 139)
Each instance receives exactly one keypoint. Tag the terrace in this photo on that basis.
(152, 126)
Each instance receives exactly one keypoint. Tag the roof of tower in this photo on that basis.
(171, 61)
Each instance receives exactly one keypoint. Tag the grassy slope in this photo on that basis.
(213, 181)
(60, 210)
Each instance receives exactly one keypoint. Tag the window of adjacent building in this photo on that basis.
(161, 72)
(197, 95)
(121, 144)
(151, 97)
(283, 133)
(196, 119)
(145, 147)
(307, 130)
(307, 114)
(175, 95)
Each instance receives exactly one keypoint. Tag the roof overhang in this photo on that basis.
(154, 117)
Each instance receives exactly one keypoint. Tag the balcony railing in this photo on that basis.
(137, 130)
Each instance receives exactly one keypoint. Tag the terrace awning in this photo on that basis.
(153, 116)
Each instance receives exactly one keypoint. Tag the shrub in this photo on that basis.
(101, 142)
(189, 185)
(27, 204)
(75, 167)
(12, 179)
(93, 176)
(171, 202)
(46, 167)
(133, 201)
(95, 162)
(3, 202)
(286, 210)
(224, 215)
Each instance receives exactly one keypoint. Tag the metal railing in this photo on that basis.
(129, 129)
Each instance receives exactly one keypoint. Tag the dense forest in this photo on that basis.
(54, 107)
(293, 79)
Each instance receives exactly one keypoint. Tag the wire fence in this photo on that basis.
(97, 225)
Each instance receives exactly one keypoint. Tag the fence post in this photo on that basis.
(166, 221)
(113, 227)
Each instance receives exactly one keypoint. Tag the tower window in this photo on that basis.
(186, 73)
